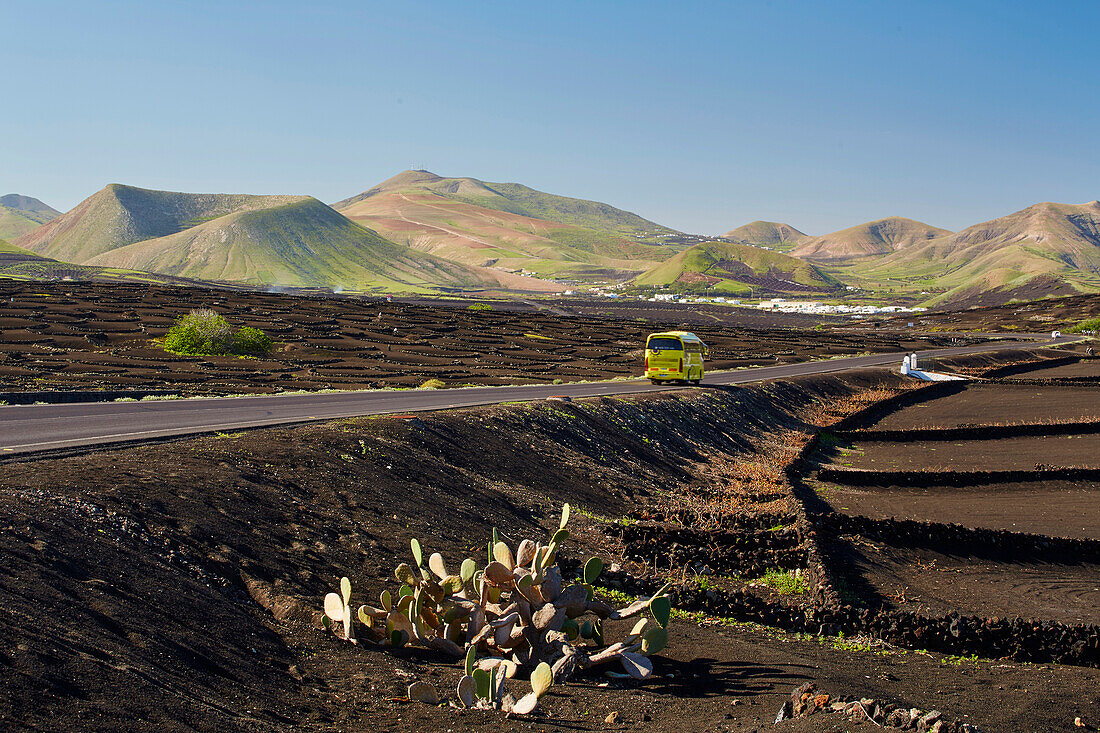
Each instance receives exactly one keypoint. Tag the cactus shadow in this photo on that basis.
(705, 677)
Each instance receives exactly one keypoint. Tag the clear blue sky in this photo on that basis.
(702, 116)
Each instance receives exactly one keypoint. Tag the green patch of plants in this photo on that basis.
(1092, 324)
(479, 307)
(204, 332)
(784, 582)
(433, 384)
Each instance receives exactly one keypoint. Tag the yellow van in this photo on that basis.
(674, 356)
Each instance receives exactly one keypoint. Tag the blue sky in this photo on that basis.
(701, 116)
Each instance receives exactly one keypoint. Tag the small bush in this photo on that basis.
(479, 307)
(1092, 324)
(433, 384)
(203, 332)
(251, 341)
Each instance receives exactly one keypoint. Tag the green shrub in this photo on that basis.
(204, 331)
(433, 384)
(479, 307)
(1092, 324)
(251, 341)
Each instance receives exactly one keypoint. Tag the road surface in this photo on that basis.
(26, 429)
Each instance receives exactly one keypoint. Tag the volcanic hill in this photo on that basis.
(879, 237)
(20, 214)
(771, 234)
(1047, 248)
(259, 240)
(726, 267)
(510, 226)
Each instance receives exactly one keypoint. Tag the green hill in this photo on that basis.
(726, 267)
(119, 215)
(261, 240)
(770, 234)
(21, 214)
(870, 239)
(302, 243)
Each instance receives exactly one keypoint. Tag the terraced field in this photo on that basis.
(69, 336)
(983, 500)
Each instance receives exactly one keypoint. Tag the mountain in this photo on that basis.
(301, 243)
(727, 267)
(261, 240)
(515, 198)
(21, 214)
(879, 237)
(770, 234)
(509, 226)
(1047, 248)
(119, 215)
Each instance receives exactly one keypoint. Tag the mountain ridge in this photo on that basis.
(503, 226)
(878, 237)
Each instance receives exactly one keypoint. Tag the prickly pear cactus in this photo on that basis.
(515, 616)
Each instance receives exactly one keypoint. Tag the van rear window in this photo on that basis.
(665, 342)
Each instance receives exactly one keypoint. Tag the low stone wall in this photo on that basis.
(59, 398)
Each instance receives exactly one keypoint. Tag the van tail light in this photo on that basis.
(680, 365)
(647, 362)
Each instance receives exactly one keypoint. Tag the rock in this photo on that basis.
(612, 717)
(898, 718)
(937, 727)
(423, 692)
(855, 711)
(784, 712)
(926, 721)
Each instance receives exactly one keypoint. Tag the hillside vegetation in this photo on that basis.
(726, 267)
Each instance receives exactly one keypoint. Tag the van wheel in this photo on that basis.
(655, 381)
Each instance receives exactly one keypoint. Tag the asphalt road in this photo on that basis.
(26, 429)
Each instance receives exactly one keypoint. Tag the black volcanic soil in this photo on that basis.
(998, 404)
(73, 336)
(932, 582)
(177, 586)
(1052, 508)
(1083, 368)
(1040, 314)
(1003, 454)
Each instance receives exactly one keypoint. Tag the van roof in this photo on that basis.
(682, 335)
